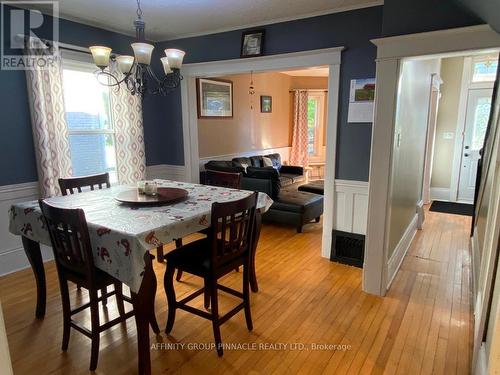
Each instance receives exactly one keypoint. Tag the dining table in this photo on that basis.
(122, 236)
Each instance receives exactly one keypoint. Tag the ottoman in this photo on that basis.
(316, 187)
(295, 208)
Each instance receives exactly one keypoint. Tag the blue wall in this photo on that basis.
(352, 30)
(162, 116)
(414, 16)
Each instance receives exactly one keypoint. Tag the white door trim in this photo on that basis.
(390, 51)
(328, 56)
(459, 134)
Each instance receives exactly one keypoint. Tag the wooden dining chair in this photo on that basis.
(72, 185)
(223, 179)
(215, 178)
(74, 261)
(227, 246)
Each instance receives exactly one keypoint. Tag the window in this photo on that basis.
(89, 119)
(315, 125)
(484, 68)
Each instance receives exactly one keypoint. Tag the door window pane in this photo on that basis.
(481, 116)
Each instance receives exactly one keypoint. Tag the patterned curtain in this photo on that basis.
(48, 122)
(298, 153)
(129, 133)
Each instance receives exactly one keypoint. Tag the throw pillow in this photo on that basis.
(245, 166)
(267, 162)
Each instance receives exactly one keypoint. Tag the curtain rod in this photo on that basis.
(66, 46)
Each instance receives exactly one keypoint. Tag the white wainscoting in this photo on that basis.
(12, 256)
(440, 194)
(283, 151)
(401, 250)
(166, 172)
(351, 210)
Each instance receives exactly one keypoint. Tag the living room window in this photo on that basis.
(89, 120)
(315, 124)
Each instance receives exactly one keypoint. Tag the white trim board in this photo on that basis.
(330, 57)
(166, 172)
(390, 51)
(351, 208)
(400, 251)
(12, 256)
(440, 194)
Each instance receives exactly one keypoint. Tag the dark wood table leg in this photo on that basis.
(143, 302)
(32, 250)
(253, 277)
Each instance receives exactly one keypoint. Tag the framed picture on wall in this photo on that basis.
(214, 97)
(252, 43)
(266, 104)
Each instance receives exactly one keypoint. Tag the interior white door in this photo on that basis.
(476, 122)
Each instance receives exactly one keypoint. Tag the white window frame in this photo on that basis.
(83, 62)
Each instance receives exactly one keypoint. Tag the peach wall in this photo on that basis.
(249, 129)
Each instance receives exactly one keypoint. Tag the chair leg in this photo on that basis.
(215, 316)
(299, 229)
(105, 299)
(66, 314)
(159, 254)
(246, 295)
(119, 298)
(317, 219)
(178, 243)
(94, 318)
(206, 294)
(168, 283)
(179, 275)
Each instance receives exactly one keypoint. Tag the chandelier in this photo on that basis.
(135, 71)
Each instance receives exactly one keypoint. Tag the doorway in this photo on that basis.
(329, 57)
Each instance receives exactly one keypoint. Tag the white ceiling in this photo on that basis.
(171, 19)
(308, 72)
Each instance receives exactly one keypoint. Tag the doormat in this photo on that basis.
(452, 208)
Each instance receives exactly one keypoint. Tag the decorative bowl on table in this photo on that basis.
(164, 195)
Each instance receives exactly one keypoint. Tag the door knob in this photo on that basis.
(466, 147)
(466, 155)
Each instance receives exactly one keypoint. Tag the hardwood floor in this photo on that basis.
(422, 326)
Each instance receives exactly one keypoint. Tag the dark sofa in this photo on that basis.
(290, 206)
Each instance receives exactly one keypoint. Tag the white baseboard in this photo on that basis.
(12, 256)
(166, 172)
(401, 250)
(351, 206)
(283, 151)
(440, 194)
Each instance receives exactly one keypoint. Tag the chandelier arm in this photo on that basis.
(117, 81)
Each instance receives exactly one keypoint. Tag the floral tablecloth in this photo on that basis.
(121, 234)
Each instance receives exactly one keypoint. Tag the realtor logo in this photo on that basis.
(29, 34)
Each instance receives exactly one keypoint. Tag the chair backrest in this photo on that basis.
(74, 185)
(231, 230)
(70, 239)
(223, 179)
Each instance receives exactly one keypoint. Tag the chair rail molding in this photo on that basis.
(390, 52)
(166, 172)
(12, 256)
